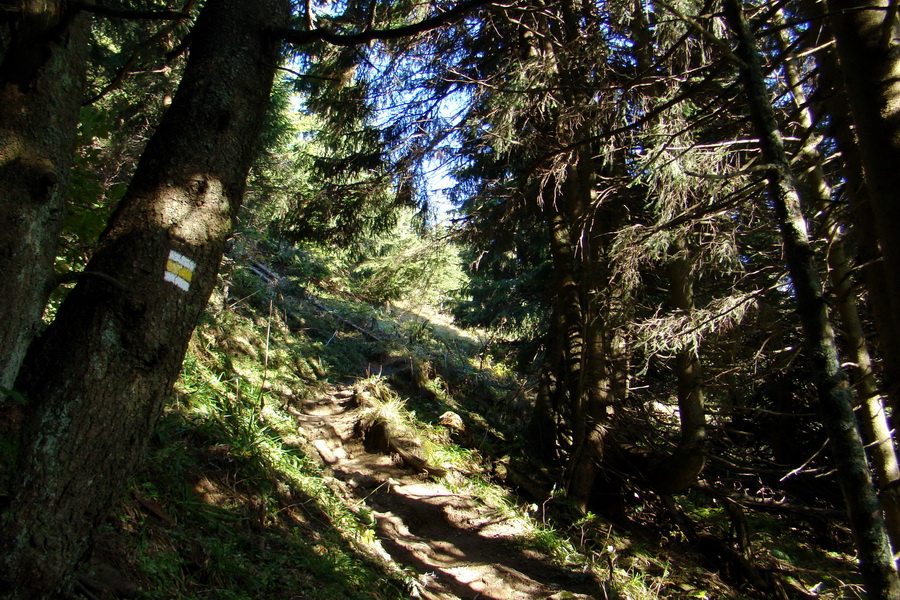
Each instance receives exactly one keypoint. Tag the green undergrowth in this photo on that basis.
(231, 504)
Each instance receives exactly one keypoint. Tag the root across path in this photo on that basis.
(454, 545)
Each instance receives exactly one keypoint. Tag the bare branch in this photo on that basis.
(74, 276)
(765, 168)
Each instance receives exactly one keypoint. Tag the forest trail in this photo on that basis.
(455, 545)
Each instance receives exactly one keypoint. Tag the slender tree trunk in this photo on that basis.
(867, 523)
(689, 371)
(41, 85)
(677, 472)
(863, 229)
(873, 417)
(96, 381)
(869, 62)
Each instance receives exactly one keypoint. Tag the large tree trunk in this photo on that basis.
(593, 351)
(577, 376)
(96, 381)
(41, 86)
(867, 523)
(582, 464)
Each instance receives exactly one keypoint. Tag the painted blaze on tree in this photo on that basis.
(97, 379)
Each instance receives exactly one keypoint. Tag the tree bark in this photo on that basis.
(867, 523)
(863, 229)
(689, 371)
(544, 432)
(96, 381)
(42, 78)
(869, 61)
(586, 350)
(677, 472)
(873, 418)
(582, 465)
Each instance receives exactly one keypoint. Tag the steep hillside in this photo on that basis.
(320, 447)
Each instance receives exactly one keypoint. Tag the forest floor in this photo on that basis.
(267, 479)
(459, 547)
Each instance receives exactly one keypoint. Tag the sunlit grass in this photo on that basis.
(269, 518)
(257, 514)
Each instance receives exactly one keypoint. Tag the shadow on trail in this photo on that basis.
(466, 548)
(454, 545)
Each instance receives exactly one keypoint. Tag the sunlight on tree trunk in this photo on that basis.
(97, 379)
(867, 523)
(864, 232)
(873, 417)
(869, 61)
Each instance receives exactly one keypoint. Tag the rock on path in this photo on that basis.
(459, 548)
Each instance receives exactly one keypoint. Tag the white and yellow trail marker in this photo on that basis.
(179, 270)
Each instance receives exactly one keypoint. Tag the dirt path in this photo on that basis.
(458, 547)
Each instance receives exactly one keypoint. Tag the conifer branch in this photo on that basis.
(127, 68)
(125, 13)
(299, 38)
(704, 33)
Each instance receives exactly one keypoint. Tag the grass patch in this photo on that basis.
(229, 505)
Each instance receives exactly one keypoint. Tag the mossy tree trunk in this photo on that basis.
(836, 405)
(873, 418)
(96, 381)
(42, 78)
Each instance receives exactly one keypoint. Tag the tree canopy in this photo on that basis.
(673, 218)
